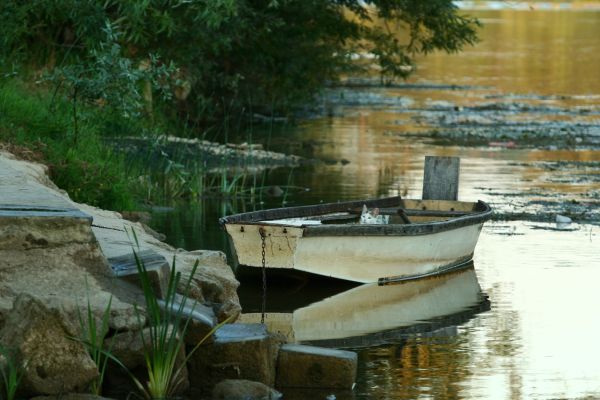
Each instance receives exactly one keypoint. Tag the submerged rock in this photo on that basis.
(241, 389)
(71, 396)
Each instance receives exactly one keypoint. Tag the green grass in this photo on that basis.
(93, 337)
(80, 163)
(42, 125)
(12, 372)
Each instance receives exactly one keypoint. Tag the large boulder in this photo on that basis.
(213, 282)
(43, 338)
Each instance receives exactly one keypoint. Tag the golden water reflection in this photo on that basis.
(539, 340)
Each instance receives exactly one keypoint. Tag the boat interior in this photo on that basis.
(407, 212)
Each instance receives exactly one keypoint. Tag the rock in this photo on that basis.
(71, 396)
(239, 351)
(157, 268)
(240, 389)
(54, 363)
(561, 219)
(137, 216)
(301, 366)
(202, 319)
(213, 281)
(25, 231)
(64, 266)
(156, 235)
(68, 277)
(128, 348)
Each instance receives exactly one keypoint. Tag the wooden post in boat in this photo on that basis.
(441, 178)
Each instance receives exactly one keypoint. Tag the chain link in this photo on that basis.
(264, 275)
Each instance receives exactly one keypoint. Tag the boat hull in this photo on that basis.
(359, 253)
(361, 259)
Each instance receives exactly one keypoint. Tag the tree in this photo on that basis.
(235, 55)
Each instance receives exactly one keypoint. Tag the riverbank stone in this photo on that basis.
(241, 389)
(71, 396)
(200, 318)
(300, 366)
(213, 281)
(42, 337)
(54, 252)
(239, 351)
(157, 268)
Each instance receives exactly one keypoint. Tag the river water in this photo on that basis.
(522, 110)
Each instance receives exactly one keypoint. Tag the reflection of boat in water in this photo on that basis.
(371, 314)
(423, 237)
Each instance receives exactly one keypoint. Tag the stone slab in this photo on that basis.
(34, 216)
(239, 351)
(157, 266)
(241, 332)
(202, 319)
(300, 366)
(25, 185)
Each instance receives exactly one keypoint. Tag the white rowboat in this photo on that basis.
(423, 238)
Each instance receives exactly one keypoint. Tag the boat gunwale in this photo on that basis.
(480, 214)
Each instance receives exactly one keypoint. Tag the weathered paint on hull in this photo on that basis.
(362, 259)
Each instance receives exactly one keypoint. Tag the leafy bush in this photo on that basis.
(85, 168)
(233, 55)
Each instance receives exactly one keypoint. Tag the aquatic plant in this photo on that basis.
(168, 321)
(12, 372)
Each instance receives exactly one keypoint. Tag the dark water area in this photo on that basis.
(522, 110)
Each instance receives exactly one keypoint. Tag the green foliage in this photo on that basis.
(118, 67)
(234, 56)
(168, 322)
(109, 79)
(93, 338)
(11, 371)
(88, 170)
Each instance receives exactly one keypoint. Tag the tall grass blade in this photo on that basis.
(167, 328)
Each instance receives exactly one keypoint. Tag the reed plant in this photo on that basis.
(12, 372)
(93, 337)
(168, 321)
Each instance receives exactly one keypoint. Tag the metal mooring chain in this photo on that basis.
(264, 275)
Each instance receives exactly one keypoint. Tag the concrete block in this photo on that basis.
(202, 319)
(239, 351)
(300, 366)
(125, 267)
